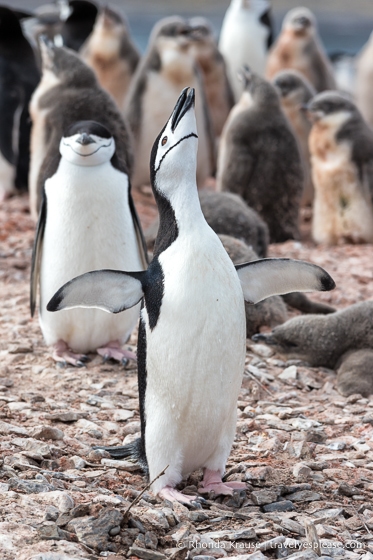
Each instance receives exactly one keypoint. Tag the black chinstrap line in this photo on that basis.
(174, 146)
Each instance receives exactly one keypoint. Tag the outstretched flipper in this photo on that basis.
(269, 277)
(110, 290)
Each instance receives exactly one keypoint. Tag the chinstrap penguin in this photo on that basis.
(19, 77)
(295, 91)
(341, 147)
(167, 67)
(259, 158)
(110, 52)
(68, 92)
(219, 94)
(245, 37)
(299, 47)
(191, 348)
(87, 221)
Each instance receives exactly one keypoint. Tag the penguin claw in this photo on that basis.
(63, 355)
(114, 351)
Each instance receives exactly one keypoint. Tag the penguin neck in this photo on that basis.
(179, 213)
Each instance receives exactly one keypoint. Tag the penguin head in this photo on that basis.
(65, 65)
(300, 21)
(174, 153)
(109, 36)
(260, 91)
(171, 34)
(87, 143)
(331, 107)
(293, 86)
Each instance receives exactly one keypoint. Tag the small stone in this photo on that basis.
(121, 415)
(304, 555)
(96, 455)
(20, 349)
(94, 532)
(262, 350)
(262, 497)
(51, 513)
(29, 487)
(288, 373)
(65, 502)
(293, 527)
(271, 544)
(47, 432)
(77, 462)
(120, 465)
(114, 531)
(49, 532)
(347, 490)
(337, 445)
(301, 470)
(70, 416)
(145, 553)
(285, 505)
(151, 540)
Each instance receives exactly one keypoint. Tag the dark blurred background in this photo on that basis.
(344, 25)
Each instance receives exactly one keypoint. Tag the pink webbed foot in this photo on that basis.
(212, 481)
(173, 495)
(63, 355)
(114, 351)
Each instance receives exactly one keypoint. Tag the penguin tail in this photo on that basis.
(133, 451)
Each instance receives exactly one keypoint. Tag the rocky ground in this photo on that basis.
(305, 452)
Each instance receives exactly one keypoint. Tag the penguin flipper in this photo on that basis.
(268, 277)
(36, 254)
(110, 290)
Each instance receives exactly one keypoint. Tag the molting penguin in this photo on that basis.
(299, 47)
(257, 148)
(296, 91)
(68, 92)
(245, 37)
(79, 24)
(219, 94)
(110, 52)
(191, 348)
(341, 147)
(19, 77)
(87, 221)
(167, 66)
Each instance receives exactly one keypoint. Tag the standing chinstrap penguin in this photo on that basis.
(191, 349)
(110, 52)
(245, 37)
(259, 158)
(299, 47)
(68, 92)
(341, 147)
(295, 92)
(19, 77)
(87, 221)
(219, 94)
(167, 67)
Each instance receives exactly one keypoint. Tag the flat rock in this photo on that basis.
(146, 553)
(304, 496)
(285, 505)
(248, 533)
(29, 486)
(262, 497)
(69, 416)
(94, 532)
(121, 415)
(6, 428)
(288, 373)
(120, 465)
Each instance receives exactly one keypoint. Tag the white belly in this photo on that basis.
(195, 361)
(89, 227)
(157, 105)
(243, 40)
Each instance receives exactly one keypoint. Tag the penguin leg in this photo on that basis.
(114, 351)
(212, 481)
(62, 354)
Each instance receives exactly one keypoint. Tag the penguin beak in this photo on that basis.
(261, 337)
(84, 139)
(184, 103)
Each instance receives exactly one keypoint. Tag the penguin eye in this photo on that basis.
(164, 140)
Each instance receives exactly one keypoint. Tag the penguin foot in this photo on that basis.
(212, 481)
(173, 495)
(63, 355)
(114, 351)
